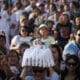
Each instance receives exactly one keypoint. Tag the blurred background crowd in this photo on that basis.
(54, 24)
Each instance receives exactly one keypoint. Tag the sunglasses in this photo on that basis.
(78, 34)
(23, 30)
(71, 63)
(38, 71)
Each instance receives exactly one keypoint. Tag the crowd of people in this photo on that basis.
(40, 40)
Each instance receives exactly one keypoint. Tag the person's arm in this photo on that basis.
(51, 70)
(15, 47)
(15, 43)
(23, 73)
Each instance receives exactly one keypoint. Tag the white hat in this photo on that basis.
(43, 25)
(38, 57)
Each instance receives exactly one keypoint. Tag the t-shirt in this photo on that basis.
(32, 78)
(17, 40)
(4, 26)
(18, 13)
(64, 32)
(28, 8)
(70, 48)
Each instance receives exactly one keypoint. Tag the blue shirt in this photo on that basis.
(73, 46)
(32, 78)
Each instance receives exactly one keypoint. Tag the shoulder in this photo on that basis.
(16, 37)
(47, 78)
(28, 8)
(70, 44)
(55, 76)
(29, 78)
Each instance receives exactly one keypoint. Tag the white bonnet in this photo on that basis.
(38, 56)
(43, 25)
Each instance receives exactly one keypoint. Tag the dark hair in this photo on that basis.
(54, 7)
(25, 14)
(10, 51)
(75, 58)
(65, 72)
(24, 45)
(2, 36)
(6, 4)
(3, 50)
(25, 27)
(76, 4)
(18, 5)
(58, 49)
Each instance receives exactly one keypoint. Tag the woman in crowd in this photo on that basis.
(71, 71)
(2, 57)
(13, 62)
(57, 56)
(22, 37)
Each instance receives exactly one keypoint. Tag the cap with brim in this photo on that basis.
(42, 26)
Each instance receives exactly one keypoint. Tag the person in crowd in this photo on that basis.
(67, 10)
(2, 40)
(52, 9)
(22, 49)
(30, 7)
(26, 3)
(50, 24)
(22, 37)
(4, 29)
(59, 63)
(27, 23)
(64, 29)
(74, 8)
(23, 21)
(44, 34)
(5, 10)
(16, 14)
(77, 22)
(57, 55)
(54, 17)
(13, 64)
(71, 71)
(5, 71)
(3, 52)
(73, 46)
